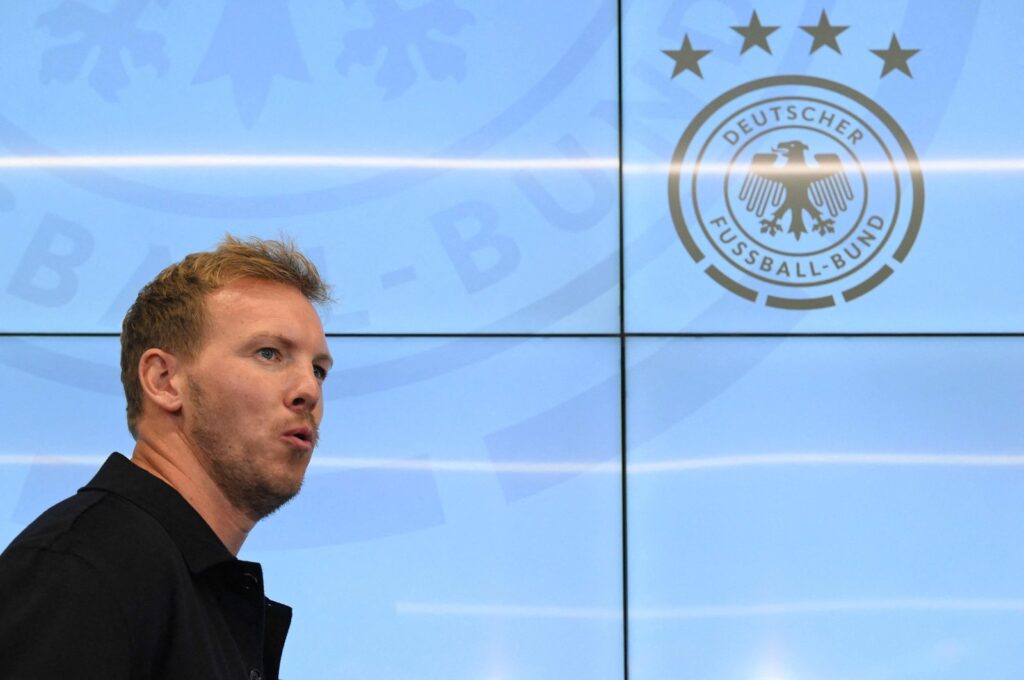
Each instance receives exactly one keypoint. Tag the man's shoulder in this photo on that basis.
(88, 580)
(101, 529)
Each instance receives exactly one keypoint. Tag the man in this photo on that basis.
(223, 359)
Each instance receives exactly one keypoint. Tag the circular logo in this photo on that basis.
(796, 192)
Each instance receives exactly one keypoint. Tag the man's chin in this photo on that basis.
(265, 502)
(260, 497)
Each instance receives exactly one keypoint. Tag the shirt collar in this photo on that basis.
(198, 543)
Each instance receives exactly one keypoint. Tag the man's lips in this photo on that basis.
(301, 437)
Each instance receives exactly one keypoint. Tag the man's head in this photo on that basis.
(225, 351)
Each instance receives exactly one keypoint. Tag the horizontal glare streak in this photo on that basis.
(611, 467)
(964, 165)
(506, 611)
(712, 612)
(485, 466)
(312, 161)
(961, 165)
(827, 607)
(48, 459)
(675, 465)
(785, 459)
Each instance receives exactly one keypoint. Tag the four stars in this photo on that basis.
(824, 34)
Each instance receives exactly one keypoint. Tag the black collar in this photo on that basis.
(198, 543)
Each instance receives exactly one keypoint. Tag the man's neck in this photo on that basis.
(178, 466)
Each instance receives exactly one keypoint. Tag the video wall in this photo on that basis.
(675, 340)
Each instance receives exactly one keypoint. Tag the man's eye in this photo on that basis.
(268, 353)
(320, 372)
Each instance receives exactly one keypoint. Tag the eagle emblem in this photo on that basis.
(795, 188)
(795, 192)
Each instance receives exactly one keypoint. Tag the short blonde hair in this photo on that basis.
(170, 311)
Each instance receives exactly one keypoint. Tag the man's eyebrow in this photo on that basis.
(276, 338)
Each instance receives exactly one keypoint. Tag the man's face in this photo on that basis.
(255, 392)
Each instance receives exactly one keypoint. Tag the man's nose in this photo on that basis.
(306, 392)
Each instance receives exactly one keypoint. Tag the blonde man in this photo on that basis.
(223, 359)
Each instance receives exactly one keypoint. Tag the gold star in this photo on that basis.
(754, 34)
(895, 58)
(687, 58)
(824, 34)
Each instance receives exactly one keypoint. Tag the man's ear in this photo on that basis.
(161, 378)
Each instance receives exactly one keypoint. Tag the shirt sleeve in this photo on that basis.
(59, 619)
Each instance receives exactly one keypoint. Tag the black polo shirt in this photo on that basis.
(124, 580)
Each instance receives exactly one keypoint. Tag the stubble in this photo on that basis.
(233, 469)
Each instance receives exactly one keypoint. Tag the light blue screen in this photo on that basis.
(555, 446)
(431, 519)
(414, 249)
(955, 277)
(824, 507)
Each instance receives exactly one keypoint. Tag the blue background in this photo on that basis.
(807, 494)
